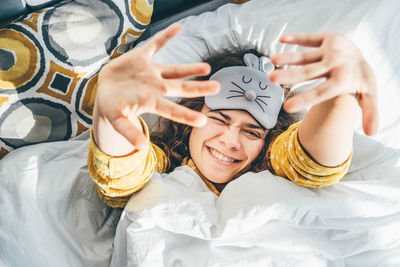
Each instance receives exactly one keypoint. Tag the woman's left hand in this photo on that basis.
(338, 60)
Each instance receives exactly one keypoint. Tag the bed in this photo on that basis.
(51, 214)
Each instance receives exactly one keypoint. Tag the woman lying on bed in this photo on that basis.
(231, 122)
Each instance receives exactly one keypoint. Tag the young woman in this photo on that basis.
(228, 124)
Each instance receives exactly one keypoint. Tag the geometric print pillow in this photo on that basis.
(49, 62)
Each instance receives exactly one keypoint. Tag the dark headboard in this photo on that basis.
(167, 12)
(11, 9)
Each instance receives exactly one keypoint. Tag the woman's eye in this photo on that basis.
(218, 120)
(244, 80)
(255, 134)
(261, 87)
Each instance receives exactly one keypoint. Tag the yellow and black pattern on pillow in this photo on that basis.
(49, 62)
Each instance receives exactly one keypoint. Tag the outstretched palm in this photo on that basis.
(133, 84)
(338, 60)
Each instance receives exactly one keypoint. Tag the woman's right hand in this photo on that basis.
(133, 84)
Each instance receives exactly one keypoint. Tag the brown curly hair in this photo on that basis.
(173, 137)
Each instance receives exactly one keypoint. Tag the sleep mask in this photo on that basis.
(249, 88)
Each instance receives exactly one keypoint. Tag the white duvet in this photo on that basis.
(265, 220)
(51, 215)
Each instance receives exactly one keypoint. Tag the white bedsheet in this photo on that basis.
(51, 215)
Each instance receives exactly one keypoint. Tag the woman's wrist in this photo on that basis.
(326, 133)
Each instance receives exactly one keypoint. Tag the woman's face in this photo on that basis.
(225, 147)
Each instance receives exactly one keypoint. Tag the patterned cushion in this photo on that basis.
(49, 61)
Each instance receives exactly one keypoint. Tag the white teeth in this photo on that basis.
(221, 157)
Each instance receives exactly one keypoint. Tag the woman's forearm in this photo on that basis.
(326, 133)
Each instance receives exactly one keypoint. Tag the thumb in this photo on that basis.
(128, 130)
(370, 115)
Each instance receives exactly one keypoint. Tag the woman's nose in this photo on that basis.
(230, 137)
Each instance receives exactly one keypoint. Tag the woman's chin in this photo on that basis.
(217, 178)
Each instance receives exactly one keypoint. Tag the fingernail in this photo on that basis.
(275, 60)
(273, 77)
(287, 38)
(217, 86)
(142, 144)
(201, 121)
(217, 83)
(293, 105)
(207, 68)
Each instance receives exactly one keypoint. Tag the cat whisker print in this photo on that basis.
(236, 91)
(233, 96)
(238, 87)
(257, 98)
(260, 105)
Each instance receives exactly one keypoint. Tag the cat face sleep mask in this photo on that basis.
(249, 88)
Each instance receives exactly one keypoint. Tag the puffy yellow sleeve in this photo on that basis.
(289, 159)
(117, 178)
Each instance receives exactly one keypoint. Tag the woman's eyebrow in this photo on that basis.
(226, 117)
(254, 126)
(229, 119)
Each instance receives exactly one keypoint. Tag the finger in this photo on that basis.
(313, 96)
(161, 38)
(179, 113)
(310, 40)
(295, 75)
(128, 130)
(192, 88)
(185, 70)
(369, 114)
(297, 58)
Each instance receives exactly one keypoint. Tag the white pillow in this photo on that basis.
(374, 26)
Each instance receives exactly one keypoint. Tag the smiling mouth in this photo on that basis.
(222, 158)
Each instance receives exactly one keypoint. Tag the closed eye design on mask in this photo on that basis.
(244, 80)
(262, 88)
(242, 93)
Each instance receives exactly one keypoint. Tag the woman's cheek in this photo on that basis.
(257, 145)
